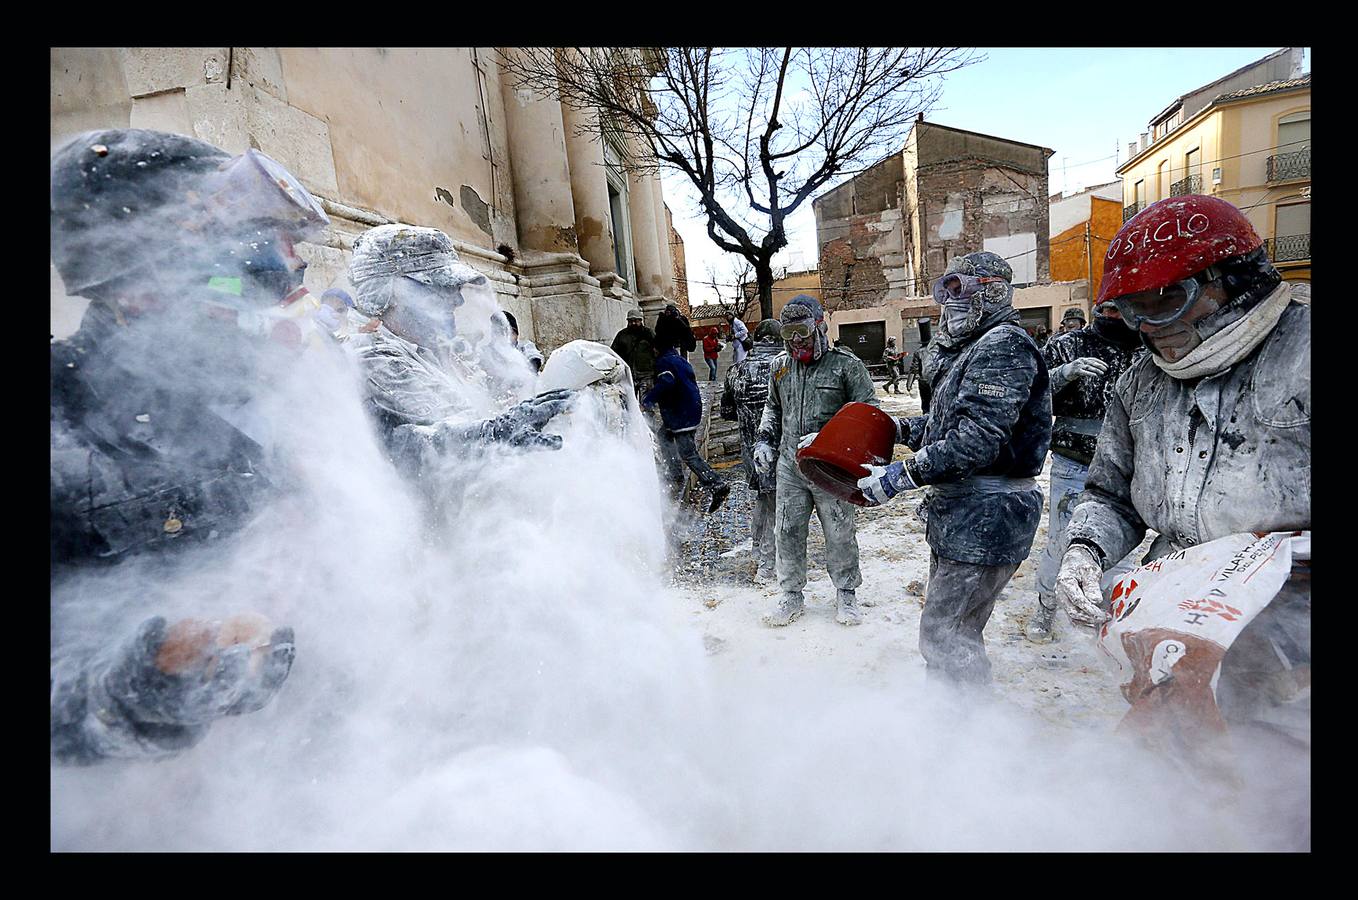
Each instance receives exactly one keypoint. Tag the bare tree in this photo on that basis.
(756, 131)
(732, 288)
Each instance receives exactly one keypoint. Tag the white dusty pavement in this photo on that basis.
(1063, 681)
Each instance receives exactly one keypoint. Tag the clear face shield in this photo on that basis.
(261, 211)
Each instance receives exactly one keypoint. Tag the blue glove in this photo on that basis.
(884, 482)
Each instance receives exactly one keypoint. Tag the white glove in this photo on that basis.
(1077, 586)
(806, 441)
(763, 458)
(884, 482)
(1087, 367)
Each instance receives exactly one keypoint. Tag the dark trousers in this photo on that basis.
(925, 393)
(679, 450)
(957, 606)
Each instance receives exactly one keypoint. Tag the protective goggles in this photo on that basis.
(798, 331)
(1159, 307)
(959, 287)
(254, 188)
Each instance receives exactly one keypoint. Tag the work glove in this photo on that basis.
(806, 441)
(1085, 367)
(1078, 588)
(884, 482)
(764, 456)
(193, 672)
(522, 425)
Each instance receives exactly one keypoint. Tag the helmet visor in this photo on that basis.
(1160, 306)
(252, 188)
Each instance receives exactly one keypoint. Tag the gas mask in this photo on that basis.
(964, 299)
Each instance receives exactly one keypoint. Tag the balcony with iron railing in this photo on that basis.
(1287, 166)
(1190, 185)
(1289, 248)
(1129, 211)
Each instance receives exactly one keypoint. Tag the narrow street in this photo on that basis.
(1063, 682)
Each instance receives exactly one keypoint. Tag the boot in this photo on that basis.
(1040, 628)
(719, 495)
(764, 575)
(788, 609)
(847, 613)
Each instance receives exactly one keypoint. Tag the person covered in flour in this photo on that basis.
(978, 449)
(441, 375)
(1206, 435)
(1083, 365)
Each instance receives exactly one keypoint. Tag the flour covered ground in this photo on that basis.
(552, 682)
(1063, 682)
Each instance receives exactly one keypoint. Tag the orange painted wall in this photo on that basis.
(1069, 261)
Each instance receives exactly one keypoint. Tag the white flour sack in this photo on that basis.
(1174, 618)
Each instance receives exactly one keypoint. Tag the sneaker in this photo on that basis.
(788, 609)
(1040, 624)
(847, 612)
(719, 495)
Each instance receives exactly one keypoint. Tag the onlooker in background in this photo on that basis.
(636, 344)
(1083, 365)
(1041, 334)
(1073, 320)
(895, 365)
(711, 347)
(527, 348)
(747, 388)
(672, 330)
(979, 450)
(741, 342)
(681, 410)
(810, 383)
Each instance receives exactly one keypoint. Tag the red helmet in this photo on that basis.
(1172, 240)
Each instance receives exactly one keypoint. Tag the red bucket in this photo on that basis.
(859, 434)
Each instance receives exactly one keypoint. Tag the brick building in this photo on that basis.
(888, 232)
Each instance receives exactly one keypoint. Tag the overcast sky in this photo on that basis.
(1085, 104)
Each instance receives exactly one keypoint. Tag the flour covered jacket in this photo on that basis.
(1199, 459)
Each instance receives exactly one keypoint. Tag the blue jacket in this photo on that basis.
(676, 391)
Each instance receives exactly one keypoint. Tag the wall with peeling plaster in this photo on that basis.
(380, 135)
(887, 233)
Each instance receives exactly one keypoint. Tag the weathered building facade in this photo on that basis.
(570, 227)
(1245, 138)
(888, 232)
(1082, 225)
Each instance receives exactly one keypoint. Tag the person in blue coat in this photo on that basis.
(979, 450)
(681, 411)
